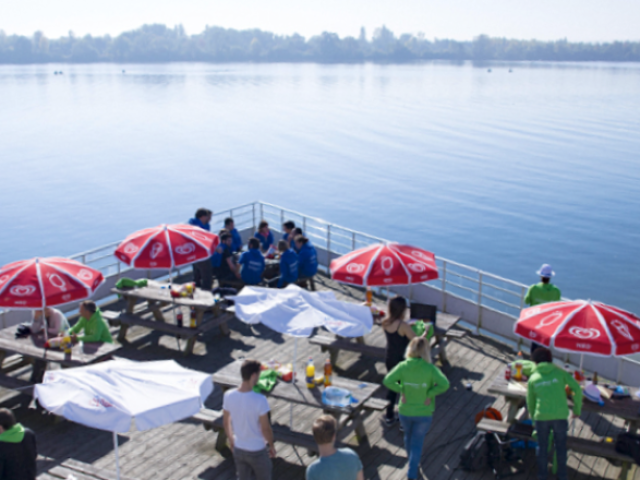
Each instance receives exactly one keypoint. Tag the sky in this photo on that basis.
(575, 20)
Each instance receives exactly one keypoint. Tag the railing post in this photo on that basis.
(261, 212)
(353, 240)
(619, 374)
(444, 286)
(522, 294)
(118, 274)
(84, 259)
(479, 325)
(304, 227)
(281, 218)
(254, 217)
(328, 245)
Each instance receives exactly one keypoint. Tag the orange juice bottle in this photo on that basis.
(328, 371)
(311, 374)
(369, 297)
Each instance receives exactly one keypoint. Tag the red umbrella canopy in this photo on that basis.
(167, 246)
(581, 326)
(41, 282)
(385, 264)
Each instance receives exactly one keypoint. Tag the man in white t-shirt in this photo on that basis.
(246, 423)
(55, 320)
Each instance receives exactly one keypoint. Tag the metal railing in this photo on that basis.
(483, 289)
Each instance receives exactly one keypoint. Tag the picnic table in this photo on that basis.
(30, 350)
(350, 418)
(516, 394)
(443, 328)
(158, 298)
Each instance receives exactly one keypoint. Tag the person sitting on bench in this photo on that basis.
(228, 270)
(252, 262)
(236, 243)
(547, 405)
(288, 264)
(307, 258)
(55, 320)
(294, 233)
(288, 228)
(92, 324)
(265, 236)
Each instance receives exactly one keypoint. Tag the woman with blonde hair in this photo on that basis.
(418, 381)
(398, 333)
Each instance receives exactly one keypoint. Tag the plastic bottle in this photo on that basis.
(369, 297)
(311, 374)
(180, 318)
(595, 378)
(328, 371)
(507, 372)
(518, 374)
(66, 345)
(192, 321)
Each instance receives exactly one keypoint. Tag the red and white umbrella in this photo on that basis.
(166, 247)
(385, 264)
(46, 282)
(581, 326)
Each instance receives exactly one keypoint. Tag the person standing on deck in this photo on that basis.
(18, 452)
(246, 424)
(398, 333)
(543, 292)
(333, 464)
(419, 381)
(236, 244)
(547, 405)
(252, 262)
(202, 271)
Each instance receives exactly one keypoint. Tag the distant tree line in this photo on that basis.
(158, 43)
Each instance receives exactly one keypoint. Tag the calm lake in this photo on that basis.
(501, 170)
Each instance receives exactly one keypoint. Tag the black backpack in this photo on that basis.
(475, 455)
(629, 444)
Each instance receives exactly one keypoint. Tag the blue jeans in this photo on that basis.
(415, 429)
(543, 429)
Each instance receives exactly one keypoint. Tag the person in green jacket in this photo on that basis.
(418, 381)
(95, 328)
(543, 292)
(548, 408)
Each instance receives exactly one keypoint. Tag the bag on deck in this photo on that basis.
(629, 444)
(475, 454)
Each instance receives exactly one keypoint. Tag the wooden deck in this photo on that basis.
(184, 450)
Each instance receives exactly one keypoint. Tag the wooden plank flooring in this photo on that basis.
(184, 450)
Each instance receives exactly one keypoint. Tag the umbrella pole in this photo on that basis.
(44, 322)
(293, 379)
(115, 450)
(581, 358)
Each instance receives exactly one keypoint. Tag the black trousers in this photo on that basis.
(203, 274)
(391, 395)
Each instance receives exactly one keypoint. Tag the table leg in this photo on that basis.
(221, 441)
(360, 340)
(192, 340)
(361, 433)
(131, 304)
(633, 426)
(514, 406)
(155, 310)
(442, 346)
(122, 334)
(37, 373)
(3, 354)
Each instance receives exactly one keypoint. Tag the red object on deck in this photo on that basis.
(46, 282)
(581, 326)
(167, 247)
(385, 264)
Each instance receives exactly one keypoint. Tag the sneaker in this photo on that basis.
(390, 421)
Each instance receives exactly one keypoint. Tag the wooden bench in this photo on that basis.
(81, 471)
(594, 448)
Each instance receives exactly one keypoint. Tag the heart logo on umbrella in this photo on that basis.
(131, 248)
(22, 290)
(584, 333)
(84, 274)
(420, 255)
(355, 268)
(550, 319)
(417, 267)
(185, 249)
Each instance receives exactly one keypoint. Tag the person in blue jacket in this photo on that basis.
(202, 271)
(264, 235)
(252, 262)
(236, 242)
(307, 257)
(216, 258)
(294, 233)
(288, 264)
(287, 228)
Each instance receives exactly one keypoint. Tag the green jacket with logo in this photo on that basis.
(542, 293)
(95, 329)
(417, 380)
(546, 394)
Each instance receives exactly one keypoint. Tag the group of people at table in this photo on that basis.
(298, 259)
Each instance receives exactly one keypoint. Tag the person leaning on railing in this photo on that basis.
(543, 292)
(418, 381)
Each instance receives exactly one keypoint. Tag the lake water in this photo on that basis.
(502, 171)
